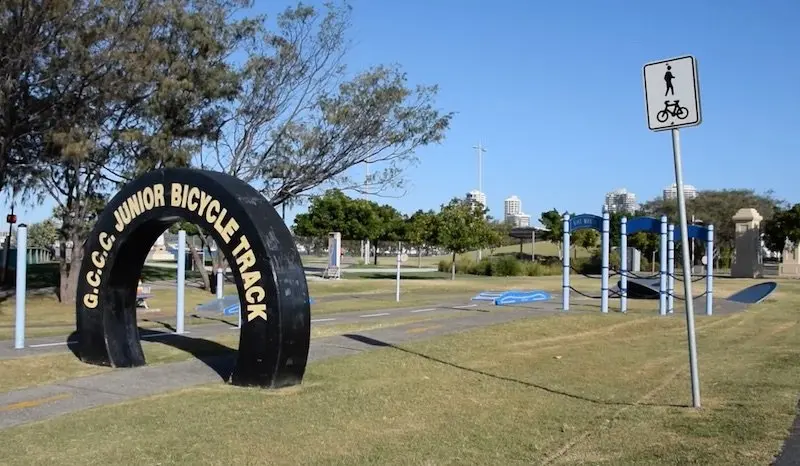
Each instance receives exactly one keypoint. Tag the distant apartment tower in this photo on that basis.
(671, 191)
(621, 201)
(476, 196)
(512, 212)
(521, 220)
(512, 206)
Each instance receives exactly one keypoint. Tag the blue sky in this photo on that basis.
(554, 91)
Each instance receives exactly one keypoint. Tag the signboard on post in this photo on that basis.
(672, 93)
(674, 82)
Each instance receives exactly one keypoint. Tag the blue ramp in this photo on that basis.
(753, 294)
(520, 297)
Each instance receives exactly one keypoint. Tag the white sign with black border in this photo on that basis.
(672, 93)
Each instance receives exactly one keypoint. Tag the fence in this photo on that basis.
(33, 255)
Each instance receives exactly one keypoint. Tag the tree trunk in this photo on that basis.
(198, 263)
(453, 268)
(376, 252)
(419, 257)
(69, 271)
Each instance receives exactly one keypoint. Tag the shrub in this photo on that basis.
(462, 265)
(507, 266)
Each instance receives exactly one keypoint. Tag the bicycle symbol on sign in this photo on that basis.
(676, 111)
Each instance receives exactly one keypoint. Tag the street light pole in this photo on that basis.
(480, 150)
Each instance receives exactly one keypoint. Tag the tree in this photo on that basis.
(391, 227)
(43, 234)
(421, 231)
(299, 123)
(586, 239)
(332, 211)
(553, 223)
(111, 89)
(193, 231)
(462, 228)
(502, 236)
(783, 229)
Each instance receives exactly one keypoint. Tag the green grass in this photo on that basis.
(566, 389)
(46, 316)
(30, 371)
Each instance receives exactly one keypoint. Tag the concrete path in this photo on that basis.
(56, 344)
(50, 400)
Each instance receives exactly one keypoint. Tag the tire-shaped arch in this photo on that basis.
(266, 266)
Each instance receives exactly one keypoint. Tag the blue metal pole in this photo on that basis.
(662, 268)
(179, 304)
(670, 269)
(710, 271)
(604, 270)
(623, 265)
(565, 261)
(21, 286)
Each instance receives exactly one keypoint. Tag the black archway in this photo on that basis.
(275, 334)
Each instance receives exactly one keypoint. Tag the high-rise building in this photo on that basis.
(512, 206)
(520, 220)
(671, 191)
(512, 212)
(476, 196)
(621, 201)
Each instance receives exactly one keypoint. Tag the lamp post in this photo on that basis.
(480, 150)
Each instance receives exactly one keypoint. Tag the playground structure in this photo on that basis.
(642, 286)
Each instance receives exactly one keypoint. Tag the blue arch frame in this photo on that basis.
(586, 221)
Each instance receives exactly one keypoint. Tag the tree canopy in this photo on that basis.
(95, 93)
(783, 229)
(716, 207)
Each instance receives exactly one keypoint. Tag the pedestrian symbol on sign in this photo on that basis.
(668, 77)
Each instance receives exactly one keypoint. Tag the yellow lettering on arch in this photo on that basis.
(251, 278)
(158, 194)
(175, 199)
(246, 260)
(192, 198)
(256, 310)
(254, 295)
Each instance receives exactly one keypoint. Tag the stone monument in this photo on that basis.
(790, 265)
(747, 260)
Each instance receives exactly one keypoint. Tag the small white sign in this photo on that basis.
(672, 93)
(704, 260)
(403, 257)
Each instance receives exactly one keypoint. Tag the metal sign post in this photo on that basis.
(674, 82)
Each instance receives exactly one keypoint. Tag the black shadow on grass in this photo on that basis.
(217, 319)
(166, 325)
(373, 342)
(218, 357)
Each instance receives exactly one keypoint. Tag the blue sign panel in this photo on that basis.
(694, 231)
(585, 221)
(648, 224)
